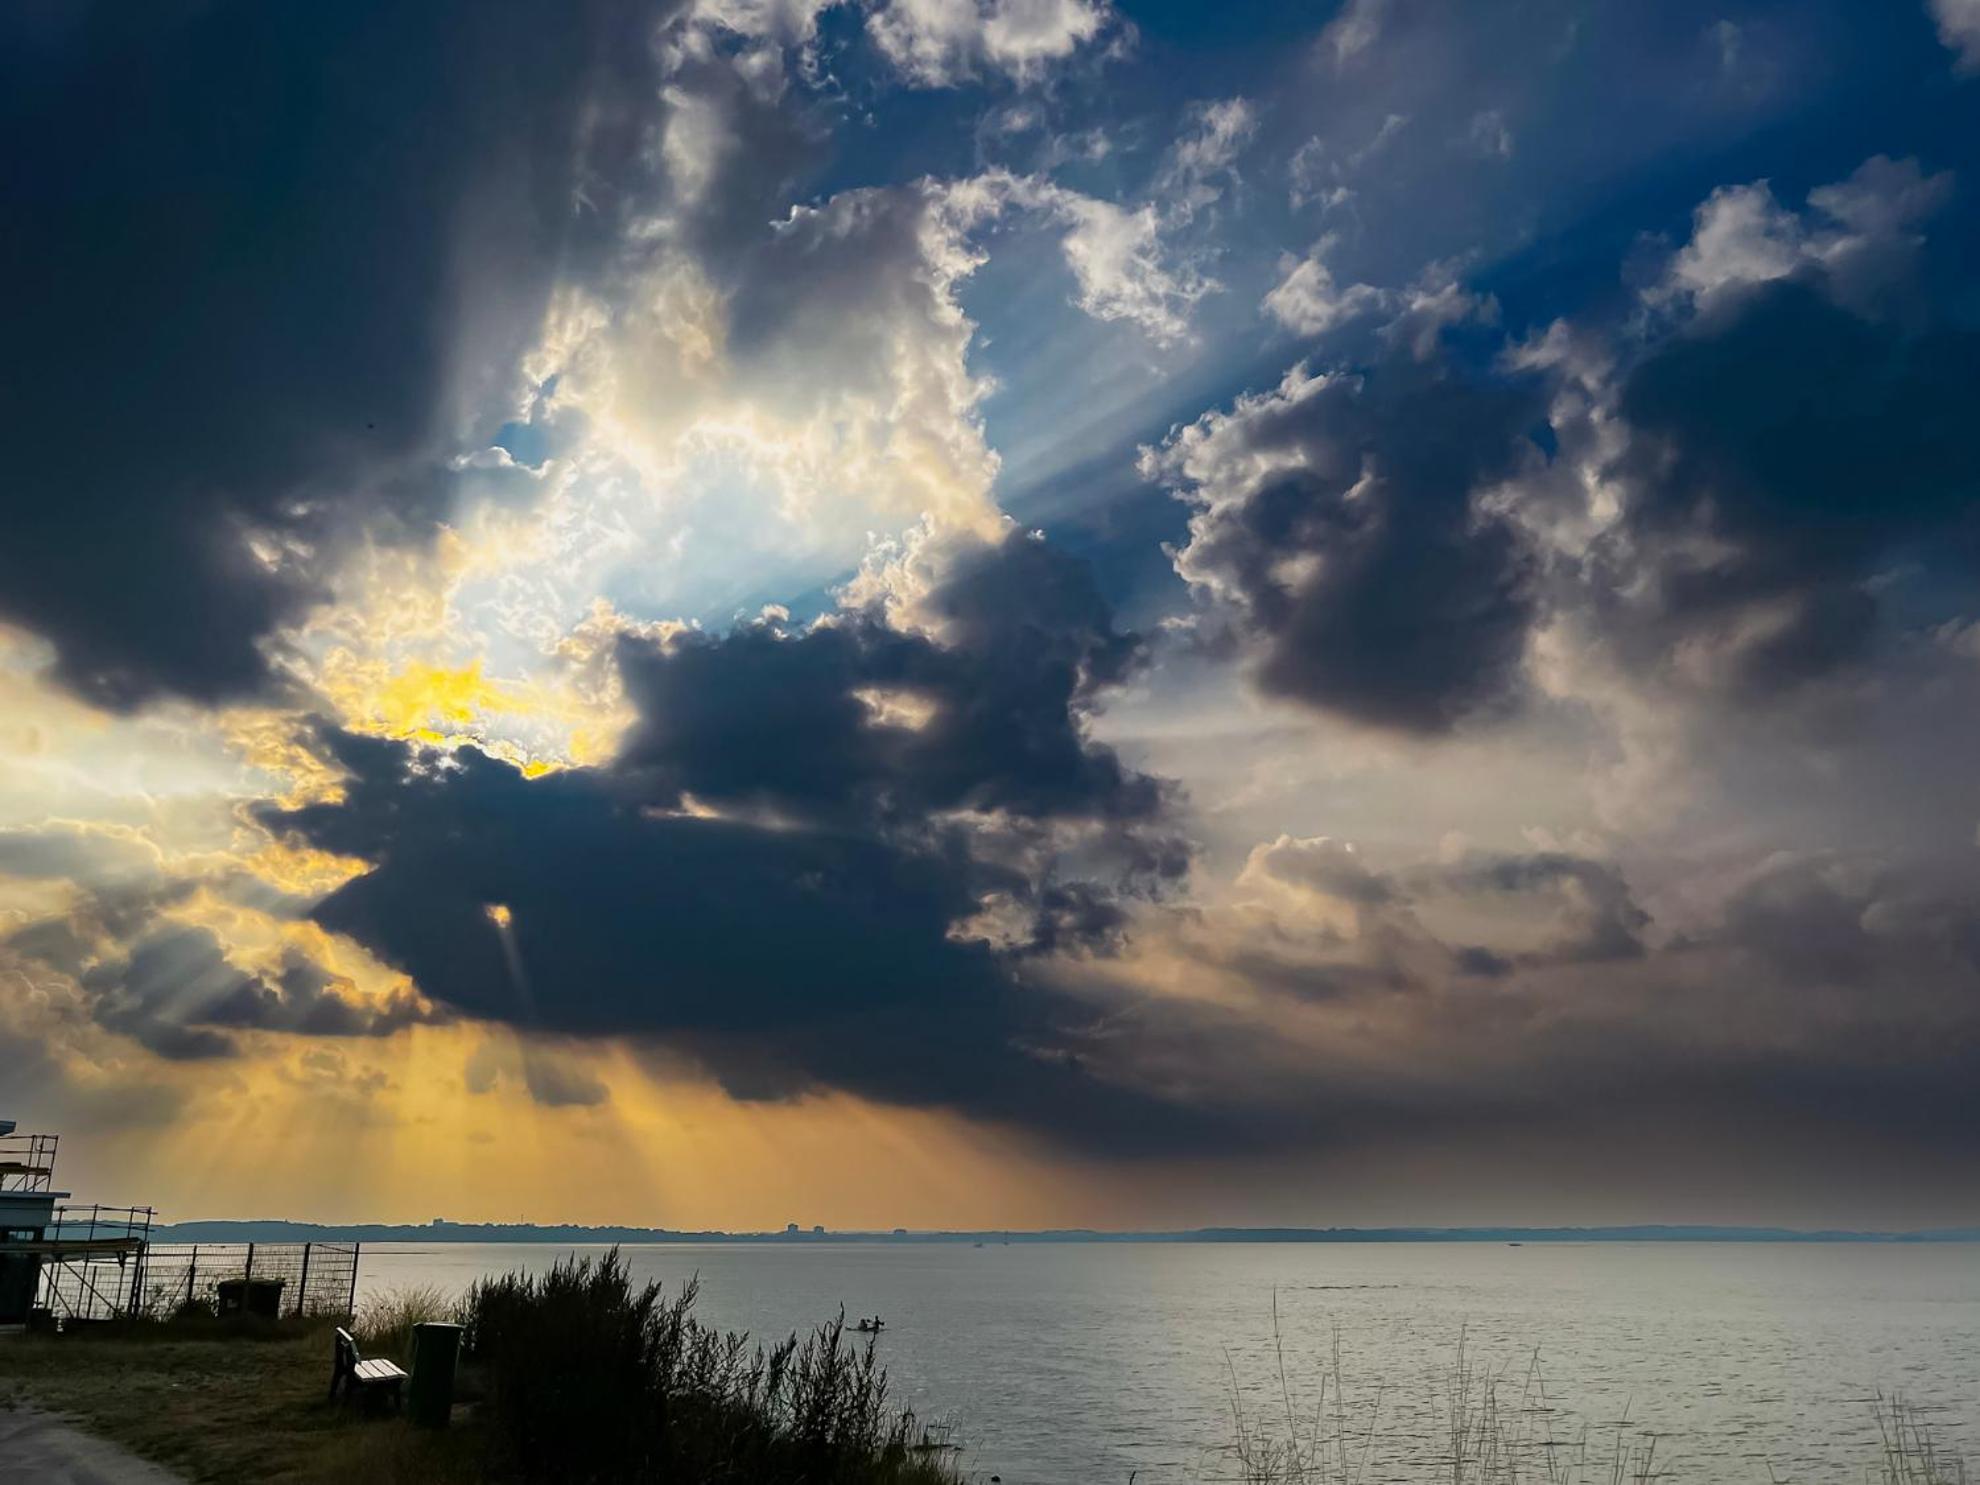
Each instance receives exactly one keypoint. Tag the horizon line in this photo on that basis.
(268, 1228)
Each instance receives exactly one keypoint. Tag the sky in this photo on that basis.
(994, 613)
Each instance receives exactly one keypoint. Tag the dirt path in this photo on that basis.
(37, 1448)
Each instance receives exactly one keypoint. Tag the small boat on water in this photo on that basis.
(871, 1327)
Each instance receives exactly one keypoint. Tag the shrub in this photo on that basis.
(591, 1379)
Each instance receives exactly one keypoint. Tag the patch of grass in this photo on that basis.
(229, 1404)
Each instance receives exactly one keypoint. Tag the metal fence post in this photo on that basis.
(351, 1310)
(302, 1284)
(136, 1307)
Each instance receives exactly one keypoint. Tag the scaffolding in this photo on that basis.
(27, 1161)
(73, 1264)
(92, 1261)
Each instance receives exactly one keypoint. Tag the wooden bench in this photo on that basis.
(353, 1376)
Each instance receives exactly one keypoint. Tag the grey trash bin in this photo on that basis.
(436, 1352)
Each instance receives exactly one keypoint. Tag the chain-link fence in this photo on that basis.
(272, 1279)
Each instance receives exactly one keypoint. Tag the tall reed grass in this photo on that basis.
(384, 1323)
(591, 1378)
(1910, 1456)
(1496, 1428)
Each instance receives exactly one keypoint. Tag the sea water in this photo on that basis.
(1083, 1364)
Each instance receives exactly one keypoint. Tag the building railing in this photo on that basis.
(98, 1223)
(27, 1161)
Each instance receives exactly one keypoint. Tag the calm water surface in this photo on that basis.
(1063, 1364)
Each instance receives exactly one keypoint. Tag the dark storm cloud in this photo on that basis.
(550, 1076)
(556, 1084)
(816, 933)
(308, 1000)
(117, 913)
(1830, 998)
(1892, 932)
(1842, 992)
(158, 991)
(1602, 919)
(769, 136)
(1365, 574)
(1552, 909)
(176, 993)
(781, 958)
(265, 262)
(1782, 411)
(1783, 457)
(800, 722)
(169, 985)
(620, 914)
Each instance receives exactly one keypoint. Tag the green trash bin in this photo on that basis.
(436, 1352)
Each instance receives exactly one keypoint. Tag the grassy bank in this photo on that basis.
(227, 1404)
(576, 1376)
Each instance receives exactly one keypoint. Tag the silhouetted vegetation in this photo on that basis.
(1498, 1429)
(589, 1378)
(1910, 1456)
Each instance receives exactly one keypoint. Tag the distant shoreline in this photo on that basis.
(437, 1231)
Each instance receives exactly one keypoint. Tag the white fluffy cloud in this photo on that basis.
(1959, 28)
(1123, 265)
(932, 43)
(1859, 230)
(1117, 258)
(936, 43)
(1353, 30)
(1210, 149)
(1309, 301)
(773, 419)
